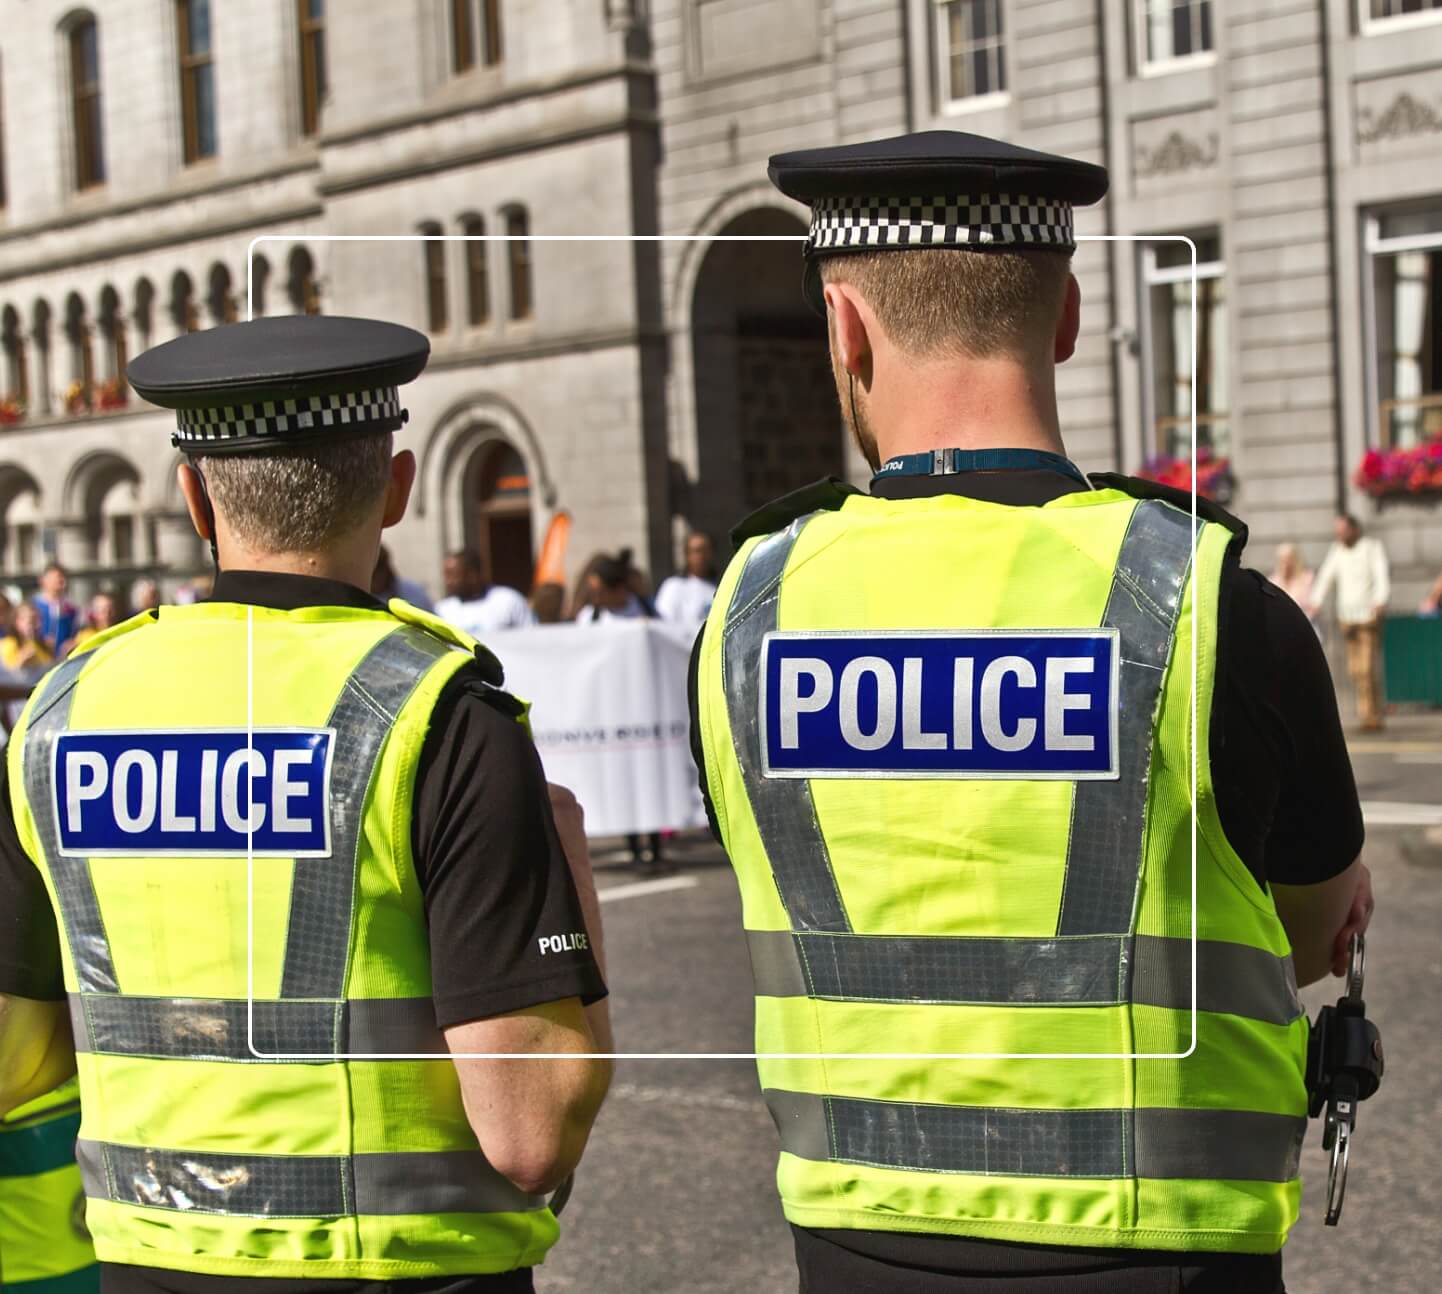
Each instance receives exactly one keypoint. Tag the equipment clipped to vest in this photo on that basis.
(1344, 1066)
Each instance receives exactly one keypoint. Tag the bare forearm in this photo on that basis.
(37, 1053)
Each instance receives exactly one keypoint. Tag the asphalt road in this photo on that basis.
(677, 1191)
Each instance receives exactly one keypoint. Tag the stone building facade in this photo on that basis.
(150, 150)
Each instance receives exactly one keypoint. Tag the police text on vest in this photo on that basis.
(1021, 704)
(194, 792)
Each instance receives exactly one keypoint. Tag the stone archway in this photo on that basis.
(765, 408)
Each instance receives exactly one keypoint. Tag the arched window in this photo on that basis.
(197, 79)
(183, 312)
(434, 252)
(312, 64)
(85, 102)
(259, 281)
(80, 393)
(218, 297)
(478, 284)
(518, 258)
(17, 376)
(144, 312)
(112, 329)
(40, 335)
(300, 283)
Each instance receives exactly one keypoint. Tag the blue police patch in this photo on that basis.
(980, 703)
(189, 792)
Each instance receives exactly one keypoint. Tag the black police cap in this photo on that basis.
(274, 384)
(937, 188)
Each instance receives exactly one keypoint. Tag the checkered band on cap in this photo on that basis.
(1002, 220)
(281, 418)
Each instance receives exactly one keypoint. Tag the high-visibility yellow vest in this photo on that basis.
(242, 1110)
(1040, 922)
(44, 1246)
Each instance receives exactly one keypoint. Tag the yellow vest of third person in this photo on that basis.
(233, 1016)
(949, 746)
(44, 1246)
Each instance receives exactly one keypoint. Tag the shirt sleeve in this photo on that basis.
(505, 922)
(1285, 790)
(1381, 574)
(29, 940)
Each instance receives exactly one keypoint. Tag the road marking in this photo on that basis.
(684, 1096)
(636, 889)
(1392, 747)
(1390, 813)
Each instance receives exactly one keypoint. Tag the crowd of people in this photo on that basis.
(610, 586)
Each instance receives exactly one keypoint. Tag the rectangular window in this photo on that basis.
(463, 36)
(2, 137)
(971, 50)
(122, 540)
(1374, 15)
(519, 254)
(312, 64)
(197, 79)
(1167, 338)
(1169, 31)
(1404, 319)
(437, 315)
(85, 104)
(491, 32)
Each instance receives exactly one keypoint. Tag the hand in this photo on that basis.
(1358, 918)
(1428, 606)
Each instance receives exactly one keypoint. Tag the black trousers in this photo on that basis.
(828, 1268)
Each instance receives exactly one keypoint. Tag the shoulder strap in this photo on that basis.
(1207, 509)
(821, 496)
(487, 665)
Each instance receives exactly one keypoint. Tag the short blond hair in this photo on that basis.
(980, 303)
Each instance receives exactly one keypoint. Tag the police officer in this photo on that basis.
(300, 847)
(945, 733)
(44, 1246)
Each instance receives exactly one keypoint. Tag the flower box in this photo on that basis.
(1390, 473)
(1214, 475)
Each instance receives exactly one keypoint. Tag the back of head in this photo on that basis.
(947, 302)
(303, 500)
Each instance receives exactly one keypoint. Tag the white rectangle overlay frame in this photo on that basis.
(709, 1055)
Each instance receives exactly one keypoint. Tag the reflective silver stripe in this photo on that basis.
(925, 968)
(298, 1186)
(215, 1028)
(782, 807)
(1104, 856)
(1232, 979)
(74, 888)
(317, 949)
(1087, 970)
(1216, 1145)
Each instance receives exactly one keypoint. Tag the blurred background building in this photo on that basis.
(644, 386)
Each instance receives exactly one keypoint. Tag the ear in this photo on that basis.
(196, 501)
(1064, 343)
(849, 339)
(398, 490)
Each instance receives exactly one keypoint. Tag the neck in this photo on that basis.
(996, 403)
(348, 564)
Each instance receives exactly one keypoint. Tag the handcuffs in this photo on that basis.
(1344, 1066)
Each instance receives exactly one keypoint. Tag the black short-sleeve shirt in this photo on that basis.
(1288, 804)
(490, 865)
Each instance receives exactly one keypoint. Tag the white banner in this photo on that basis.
(609, 713)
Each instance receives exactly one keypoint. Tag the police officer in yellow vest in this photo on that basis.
(44, 1246)
(946, 734)
(285, 871)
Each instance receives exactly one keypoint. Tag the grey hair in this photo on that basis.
(301, 501)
